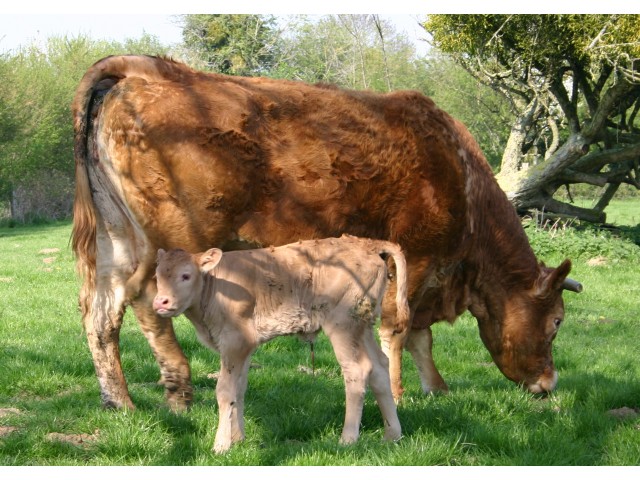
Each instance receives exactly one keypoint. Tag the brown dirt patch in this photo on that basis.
(605, 320)
(49, 260)
(5, 412)
(624, 413)
(76, 439)
(4, 431)
(49, 251)
(598, 261)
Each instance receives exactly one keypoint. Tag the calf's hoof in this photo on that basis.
(348, 439)
(392, 434)
(222, 447)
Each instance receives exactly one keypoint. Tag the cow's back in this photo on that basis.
(213, 160)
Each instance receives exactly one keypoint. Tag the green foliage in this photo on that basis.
(485, 113)
(353, 51)
(611, 245)
(582, 242)
(534, 39)
(38, 85)
(232, 43)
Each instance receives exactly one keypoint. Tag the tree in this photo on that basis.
(232, 43)
(353, 51)
(573, 85)
(37, 85)
(485, 112)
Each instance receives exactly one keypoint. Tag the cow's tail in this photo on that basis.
(402, 302)
(97, 81)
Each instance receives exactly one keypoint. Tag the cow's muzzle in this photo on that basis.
(545, 384)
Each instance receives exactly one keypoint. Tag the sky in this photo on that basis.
(24, 29)
(24, 21)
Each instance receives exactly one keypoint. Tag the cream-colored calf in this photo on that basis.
(242, 299)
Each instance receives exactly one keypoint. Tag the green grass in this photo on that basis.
(293, 418)
(624, 211)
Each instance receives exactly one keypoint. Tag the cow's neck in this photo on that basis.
(498, 253)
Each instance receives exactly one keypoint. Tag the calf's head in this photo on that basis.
(179, 279)
(520, 342)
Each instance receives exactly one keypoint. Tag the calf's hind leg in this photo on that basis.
(358, 364)
(102, 312)
(380, 386)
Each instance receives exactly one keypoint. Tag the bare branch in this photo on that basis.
(594, 162)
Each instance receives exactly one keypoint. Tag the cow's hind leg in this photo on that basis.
(419, 344)
(102, 312)
(174, 366)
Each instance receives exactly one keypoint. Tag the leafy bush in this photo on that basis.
(573, 240)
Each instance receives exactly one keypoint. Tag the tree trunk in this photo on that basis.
(539, 177)
(511, 165)
(606, 197)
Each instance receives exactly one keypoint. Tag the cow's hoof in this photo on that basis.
(179, 399)
(113, 403)
(439, 389)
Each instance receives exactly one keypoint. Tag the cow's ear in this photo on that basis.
(161, 253)
(209, 259)
(554, 279)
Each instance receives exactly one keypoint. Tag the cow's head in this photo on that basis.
(520, 344)
(179, 279)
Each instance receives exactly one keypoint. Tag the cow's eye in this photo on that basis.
(557, 322)
(185, 277)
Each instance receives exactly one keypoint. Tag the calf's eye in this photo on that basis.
(185, 277)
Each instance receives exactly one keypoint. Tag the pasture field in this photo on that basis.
(50, 411)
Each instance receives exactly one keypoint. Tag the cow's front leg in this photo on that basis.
(419, 344)
(174, 366)
(230, 391)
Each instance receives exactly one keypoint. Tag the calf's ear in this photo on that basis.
(209, 259)
(161, 253)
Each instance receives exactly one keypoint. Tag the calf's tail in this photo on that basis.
(402, 302)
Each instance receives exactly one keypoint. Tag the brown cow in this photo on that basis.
(240, 300)
(170, 157)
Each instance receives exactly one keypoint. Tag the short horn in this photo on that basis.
(572, 285)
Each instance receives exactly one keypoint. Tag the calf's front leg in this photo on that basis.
(230, 390)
